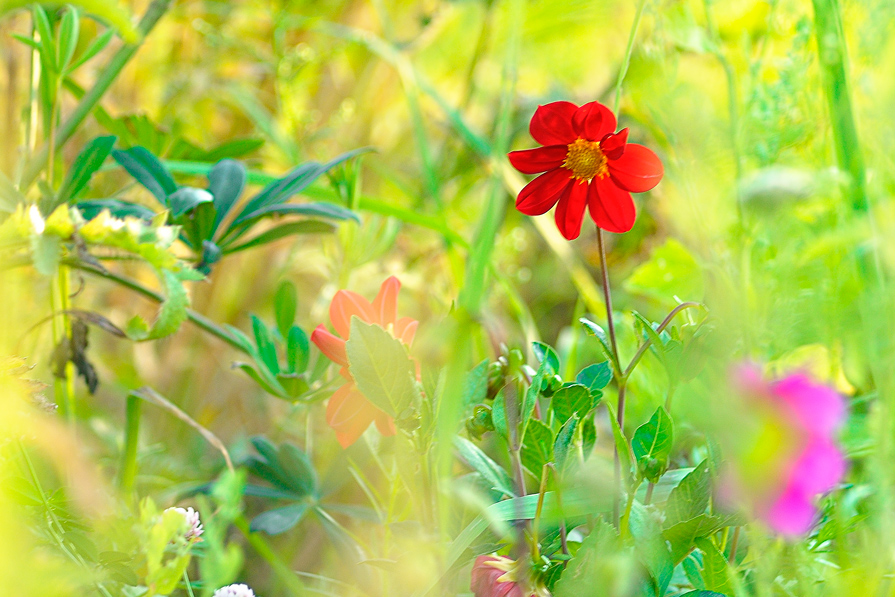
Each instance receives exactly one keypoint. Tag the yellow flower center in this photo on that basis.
(585, 159)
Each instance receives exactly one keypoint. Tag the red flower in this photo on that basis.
(585, 163)
(500, 576)
(349, 412)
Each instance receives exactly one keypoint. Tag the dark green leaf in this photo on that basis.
(652, 444)
(319, 209)
(588, 436)
(279, 520)
(571, 400)
(595, 330)
(298, 350)
(490, 470)
(691, 497)
(84, 167)
(564, 442)
(595, 377)
(281, 231)
(381, 368)
(545, 352)
(285, 302)
(281, 189)
(298, 472)
(147, 170)
(537, 447)
(266, 348)
(186, 199)
(225, 182)
(117, 209)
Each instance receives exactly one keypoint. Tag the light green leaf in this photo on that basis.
(381, 368)
(285, 302)
(621, 445)
(482, 463)
(715, 571)
(682, 535)
(571, 400)
(545, 352)
(530, 399)
(266, 348)
(537, 447)
(652, 445)
(564, 442)
(691, 497)
(46, 251)
(595, 377)
(84, 167)
(671, 271)
(279, 520)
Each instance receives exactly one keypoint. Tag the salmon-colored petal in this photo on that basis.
(345, 304)
(552, 123)
(538, 196)
(610, 206)
(592, 121)
(613, 144)
(349, 413)
(331, 346)
(539, 159)
(570, 209)
(637, 170)
(385, 305)
(385, 424)
(405, 328)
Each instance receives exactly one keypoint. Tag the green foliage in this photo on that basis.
(651, 445)
(381, 368)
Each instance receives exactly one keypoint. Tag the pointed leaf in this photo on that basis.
(279, 520)
(571, 400)
(652, 443)
(564, 442)
(225, 183)
(490, 470)
(298, 350)
(285, 302)
(282, 231)
(691, 497)
(595, 330)
(84, 167)
(715, 571)
(381, 367)
(147, 170)
(530, 399)
(266, 348)
(595, 377)
(545, 352)
(537, 447)
(281, 190)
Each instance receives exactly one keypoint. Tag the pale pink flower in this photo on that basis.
(192, 519)
(808, 462)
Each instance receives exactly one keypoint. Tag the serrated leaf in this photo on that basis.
(285, 303)
(653, 441)
(84, 167)
(298, 350)
(225, 183)
(537, 447)
(279, 520)
(571, 400)
(691, 497)
(565, 442)
(545, 352)
(482, 463)
(147, 170)
(595, 377)
(381, 368)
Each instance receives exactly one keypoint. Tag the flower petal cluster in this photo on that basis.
(194, 529)
(810, 463)
(585, 164)
(500, 576)
(349, 412)
(235, 590)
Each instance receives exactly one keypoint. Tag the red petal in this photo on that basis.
(613, 144)
(331, 346)
(344, 305)
(385, 305)
(638, 170)
(592, 121)
(552, 124)
(349, 414)
(611, 207)
(405, 328)
(570, 209)
(540, 159)
(542, 193)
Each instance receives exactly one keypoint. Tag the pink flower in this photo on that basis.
(806, 461)
(499, 576)
(194, 526)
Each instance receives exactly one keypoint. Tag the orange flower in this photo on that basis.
(349, 412)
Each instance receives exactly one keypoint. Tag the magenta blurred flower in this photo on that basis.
(499, 576)
(805, 462)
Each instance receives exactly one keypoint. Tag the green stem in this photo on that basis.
(263, 549)
(91, 98)
(131, 435)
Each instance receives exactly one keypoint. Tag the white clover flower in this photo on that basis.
(192, 519)
(239, 590)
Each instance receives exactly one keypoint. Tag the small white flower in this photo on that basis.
(239, 590)
(192, 519)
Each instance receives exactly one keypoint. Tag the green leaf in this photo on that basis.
(381, 368)
(715, 571)
(652, 445)
(234, 148)
(285, 302)
(682, 535)
(499, 416)
(671, 271)
(595, 330)
(490, 470)
(69, 26)
(278, 191)
(648, 328)
(298, 472)
(298, 350)
(46, 251)
(651, 547)
(171, 314)
(621, 445)
(118, 209)
(225, 183)
(84, 167)
(279, 520)
(537, 447)
(475, 386)
(97, 45)
(45, 30)
(186, 199)
(282, 231)
(691, 497)
(530, 399)
(545, 352)
(9, 195)
(267, 350)
(571, 400)
(588, 436)
(701, 593)
(319, 209)
(147, 170)
(595, 377)
(564, 442)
